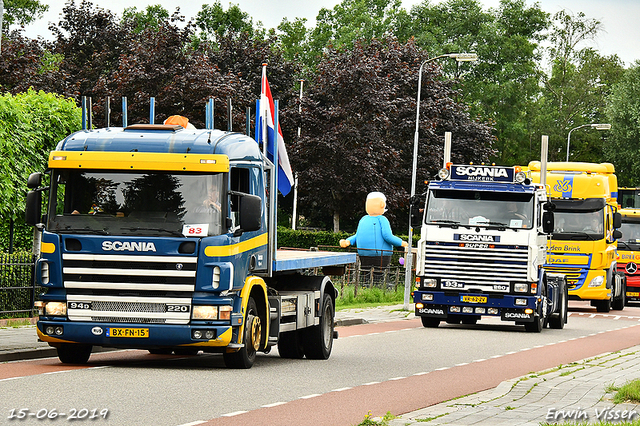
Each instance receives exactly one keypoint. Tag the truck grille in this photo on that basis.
(126, 288)
(574, 276)
(477, 268)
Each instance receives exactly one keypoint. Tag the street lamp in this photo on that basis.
(598, 126)
(460, 57)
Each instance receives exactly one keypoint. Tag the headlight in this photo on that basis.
(521, 288)
(55, 308)
(205, 312)
(427, 297)
(521, 302)
(597, 281)
(520, 177)
(429, 283)
(443, 174)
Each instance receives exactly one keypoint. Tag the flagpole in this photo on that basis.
(263, 117)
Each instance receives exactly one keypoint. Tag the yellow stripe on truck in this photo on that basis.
(161, 161)
(234, 249)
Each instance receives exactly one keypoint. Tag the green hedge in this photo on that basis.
(288, 237)
(16, 284)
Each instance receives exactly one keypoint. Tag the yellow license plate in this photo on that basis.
(633, 294)
(474, 299)
(128, 332)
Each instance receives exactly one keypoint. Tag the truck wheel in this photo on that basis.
(602, 305)
(70, 353)
(453, 319)
(536, 326)
(469, 320)
(160, 351)
(246, 356)
(430, 322)
(290, 345)
(318, 340)
(620, 301)
(186, 351)
(559, 319)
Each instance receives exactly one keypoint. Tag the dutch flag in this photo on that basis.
(265, 119)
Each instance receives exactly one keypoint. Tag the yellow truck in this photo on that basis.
(584, 241)
(629, 252)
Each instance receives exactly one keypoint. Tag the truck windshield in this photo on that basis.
(479, 208)
(586, 223)
(136, 203)
(630, 236)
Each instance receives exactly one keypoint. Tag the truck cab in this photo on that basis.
(482, 248)
(584, 241)
(162, 238)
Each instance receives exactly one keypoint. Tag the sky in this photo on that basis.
(620, 33)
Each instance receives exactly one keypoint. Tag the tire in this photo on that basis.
(290, 345)
(429, 322)
(246, 356)
(453, 319)
(559, 319)
(469, 320)
(536, 326)
(70, 353)
(602, 305)
(619, 302)
(160, 351)
(186, 351)
(317, 341)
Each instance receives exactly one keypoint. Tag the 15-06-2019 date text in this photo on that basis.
(52, 414)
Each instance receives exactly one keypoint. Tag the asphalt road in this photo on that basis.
(395, 366)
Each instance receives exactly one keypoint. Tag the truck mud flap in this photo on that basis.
(433, 311)
(518, 315)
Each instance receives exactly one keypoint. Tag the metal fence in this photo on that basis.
(17, 287)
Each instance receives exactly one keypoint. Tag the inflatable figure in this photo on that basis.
(374, 238)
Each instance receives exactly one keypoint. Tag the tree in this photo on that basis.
(623, 112)
(575, 91)
(503, 84)
(214, 22)
(358, 120)
(22, 12)
(151, 17)
(32, 124)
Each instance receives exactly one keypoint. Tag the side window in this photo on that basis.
(240, 182)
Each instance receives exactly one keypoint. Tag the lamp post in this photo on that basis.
(460, 57)
(598, 126)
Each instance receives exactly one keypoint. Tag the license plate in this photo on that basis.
(128, 332)
(473, 299)
(633, 294)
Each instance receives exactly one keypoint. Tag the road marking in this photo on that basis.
(197, 422)
(370, 383)
(275, 404)
(235, 413)
(341, 389)
(422, 373)
(313, 395)
(397, 378)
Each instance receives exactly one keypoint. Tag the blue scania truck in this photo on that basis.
(162, 238)
(482, 248)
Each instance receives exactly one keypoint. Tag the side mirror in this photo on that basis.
(33, 211)
(549, 206)
(34, 181)
(547, 222)
(415, 216)
(617, 234)
(617, 220)
(250, 212)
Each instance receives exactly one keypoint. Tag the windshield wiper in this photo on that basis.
(169, 231)
(85, 230)
(452, 222)
(578, 234)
